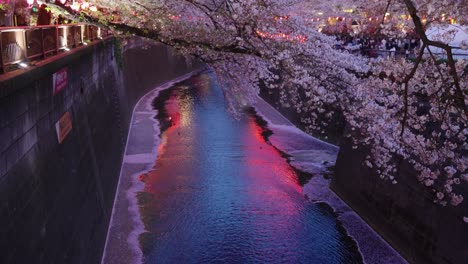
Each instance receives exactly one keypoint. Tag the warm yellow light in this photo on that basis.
(348, 10)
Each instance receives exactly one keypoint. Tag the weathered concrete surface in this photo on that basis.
(404, 213)
(56, 199)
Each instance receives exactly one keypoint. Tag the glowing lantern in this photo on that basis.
(30, 2)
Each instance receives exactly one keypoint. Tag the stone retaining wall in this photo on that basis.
(56, 199)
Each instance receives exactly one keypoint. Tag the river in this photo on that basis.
(219, 192)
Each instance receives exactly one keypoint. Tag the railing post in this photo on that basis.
(42, 44)
(26, 43)
(72, 33)
(25, 51)
(56, 40)
(82, 29)
(1, 54)
(75, 43)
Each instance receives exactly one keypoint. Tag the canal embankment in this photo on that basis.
(314, 157)
(63, 125)
(126, 228)
(404, 214)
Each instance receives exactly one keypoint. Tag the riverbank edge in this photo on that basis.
(126, 225)
(373, 248)
(303, 176)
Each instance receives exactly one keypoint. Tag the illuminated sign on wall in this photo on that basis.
(60, 80)
(63, 127)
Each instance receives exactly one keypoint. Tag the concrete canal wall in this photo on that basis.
(56, 197)
(404, 214)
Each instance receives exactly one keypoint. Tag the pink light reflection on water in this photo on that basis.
(219, 192)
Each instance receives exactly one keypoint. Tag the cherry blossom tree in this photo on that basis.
(399, 109)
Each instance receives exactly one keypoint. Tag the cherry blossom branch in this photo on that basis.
(385, 11)
(459, 96)
(155, 35)
(405, 83)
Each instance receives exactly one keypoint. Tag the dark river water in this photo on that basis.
(220, 193)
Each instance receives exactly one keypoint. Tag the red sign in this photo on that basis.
(60, 80)
(63, 127)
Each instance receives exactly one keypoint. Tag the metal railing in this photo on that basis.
(22, 44)
(374, 53)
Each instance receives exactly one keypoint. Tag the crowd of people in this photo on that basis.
(379, 46)
(21, 14)
(45, 17)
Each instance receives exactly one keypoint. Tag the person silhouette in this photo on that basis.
(43, 16)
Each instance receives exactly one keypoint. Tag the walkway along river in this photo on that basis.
(213, 189)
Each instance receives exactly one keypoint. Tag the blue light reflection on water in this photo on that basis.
(220, 193)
